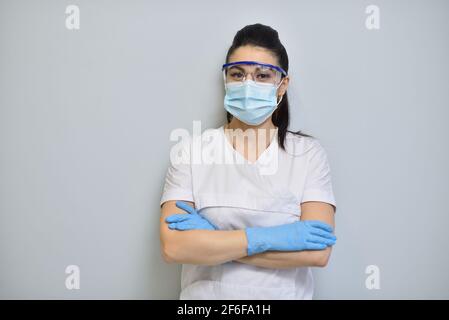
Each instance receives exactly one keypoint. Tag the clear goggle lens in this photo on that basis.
(260, 74)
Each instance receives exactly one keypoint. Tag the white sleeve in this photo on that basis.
(318, 184)
(178, 179)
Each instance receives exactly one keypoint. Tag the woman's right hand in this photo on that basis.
(297, 236)
(190, 221)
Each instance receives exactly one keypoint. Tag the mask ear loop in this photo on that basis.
(276, 91)
(279, 101)
(224, 78)
(276, 99)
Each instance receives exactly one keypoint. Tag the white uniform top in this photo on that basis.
(235, 196)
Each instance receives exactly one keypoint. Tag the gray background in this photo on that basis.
(85, 118)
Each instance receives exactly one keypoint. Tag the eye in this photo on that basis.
(263, 76)
(236, 74)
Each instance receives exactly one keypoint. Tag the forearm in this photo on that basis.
(288, 259)
(311, 210)
(204, 247)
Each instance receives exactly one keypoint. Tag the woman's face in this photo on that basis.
(259, 54)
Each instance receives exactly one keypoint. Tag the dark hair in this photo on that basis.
(268, 38)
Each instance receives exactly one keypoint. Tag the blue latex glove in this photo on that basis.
(191, 221)
(296, 236)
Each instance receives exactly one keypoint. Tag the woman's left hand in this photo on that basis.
(191, 221)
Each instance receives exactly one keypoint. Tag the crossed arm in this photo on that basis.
(209, 247)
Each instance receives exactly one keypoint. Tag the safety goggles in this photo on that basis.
(261, 73)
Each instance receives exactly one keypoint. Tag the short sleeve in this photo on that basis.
(318, 183)
(178, 179)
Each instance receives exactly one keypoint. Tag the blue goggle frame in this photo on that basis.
(253, 63)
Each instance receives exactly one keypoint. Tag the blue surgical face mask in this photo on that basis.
(249, 102)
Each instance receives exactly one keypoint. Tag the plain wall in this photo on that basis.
(85, 118)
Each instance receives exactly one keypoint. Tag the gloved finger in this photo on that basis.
(172, 226)
(185, 226)
(322, 233)
(177, 217)
(179, 226)
(320, 224)
(315, 246)
(321, 240)
(184, 206)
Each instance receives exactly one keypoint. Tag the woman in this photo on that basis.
(252, 228)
